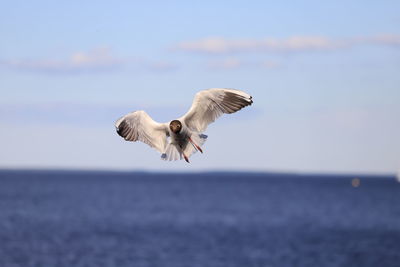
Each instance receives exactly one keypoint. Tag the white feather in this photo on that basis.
(139, 126)
(210, 104)
(171, 153)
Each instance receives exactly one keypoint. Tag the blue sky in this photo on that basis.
(324, 77)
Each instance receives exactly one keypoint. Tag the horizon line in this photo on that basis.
(205, 171)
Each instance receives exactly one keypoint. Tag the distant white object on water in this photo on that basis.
(184, 136)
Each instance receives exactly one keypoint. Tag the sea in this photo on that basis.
(51, 218)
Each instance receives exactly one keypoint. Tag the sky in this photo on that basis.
(324, 76)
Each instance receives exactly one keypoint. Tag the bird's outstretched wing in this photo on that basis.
(139, 126)
(210, 104)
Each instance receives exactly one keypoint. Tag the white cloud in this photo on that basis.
(162, 66)
(98, 59)
(95, 60)
(386, 39)
(231, 63)
(269, 64)
(220, 45)
(227, 63)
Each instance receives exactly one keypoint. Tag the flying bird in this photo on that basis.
(182, 137)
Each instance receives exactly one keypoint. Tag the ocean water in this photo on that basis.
(93, 219)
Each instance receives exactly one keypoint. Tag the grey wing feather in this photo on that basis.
(210, 104)
(139, 126)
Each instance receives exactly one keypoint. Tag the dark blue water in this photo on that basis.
(56, 219)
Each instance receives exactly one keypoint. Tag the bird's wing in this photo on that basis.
(210, 104)
(139, 126)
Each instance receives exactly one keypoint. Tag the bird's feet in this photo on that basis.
(186, 158)
(195, 145)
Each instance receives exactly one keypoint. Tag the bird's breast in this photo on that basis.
(180, 138)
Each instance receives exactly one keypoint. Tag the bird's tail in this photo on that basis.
(171, 153)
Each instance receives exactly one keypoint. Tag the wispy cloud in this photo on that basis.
(98, 59)
(382, 39)
(227, 63)
(101, 59)
(231, 63)
(162, 66)
(221, 45)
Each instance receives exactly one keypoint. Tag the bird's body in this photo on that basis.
(182, 137)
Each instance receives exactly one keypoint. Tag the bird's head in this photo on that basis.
(175, 126)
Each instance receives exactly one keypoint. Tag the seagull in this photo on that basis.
(182, 137)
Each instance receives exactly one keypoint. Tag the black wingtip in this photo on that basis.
(122, 129)
(119, 132)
